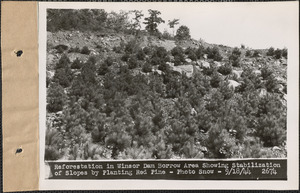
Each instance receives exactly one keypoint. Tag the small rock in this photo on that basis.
(188, 60)
(193, 112)
(233, 83)
(275, 148)
(263, 92)
(257, 72)
(205, 64)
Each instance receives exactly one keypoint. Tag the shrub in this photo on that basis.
(166, 35)
(117, 49)
(125, 57)
(140, 54)
(92, 60)
(215, 80)
(272, 130)
(98, 133)
(214, 53)
(88, 72)
(266, 72)
(119, 141)
(63, 62)
(85, 50)
(178, 61)
(183, 33)
(248, 53)
(77, 64)
(155, 61)
(271, 84)
(277, 53)
(226, 91)
(177, 51)
(256, 53)
(132, 62)
(109, 61)
(147, 68)
(75, 50)
(220, 143)
(52, 153)
(178, 54)
(235, 57)
(163, 67)
(235, 54)
(191, 54)
(200, 51)
(63, 77)
(147, 50)
(82, 20)
(131, 47)
(61, 48)
(225, 69)
(103, 69)
(55, 98)
(284, 53)
(270, 51)
(160, 52)
(208, 71)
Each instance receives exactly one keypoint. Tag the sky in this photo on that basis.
(255, 25)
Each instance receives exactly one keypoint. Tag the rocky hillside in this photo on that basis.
(121, 95)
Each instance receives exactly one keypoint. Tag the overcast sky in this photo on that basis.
(256, 25)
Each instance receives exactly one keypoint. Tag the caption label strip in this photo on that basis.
(268, 169)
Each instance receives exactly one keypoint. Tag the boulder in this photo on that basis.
(193, 112)
(238, 73)
(283, 61)
(285, 97)
(176, 69)
(158, 72)
(50, 74)
(51, 58)
(187, 69)
(276, 148)
(280, 88)
(218, 64)
(233, 83)
(170, 63)
(277, 62)
(257, 72)
(205, 64)
(188, 60)
(280, 80)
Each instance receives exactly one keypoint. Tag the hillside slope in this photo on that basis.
(115, 95)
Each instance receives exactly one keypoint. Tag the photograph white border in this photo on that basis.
(292, 113)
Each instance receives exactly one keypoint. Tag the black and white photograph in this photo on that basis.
(116, 90)
(164, 83)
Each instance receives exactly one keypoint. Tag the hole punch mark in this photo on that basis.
(19, 150)
(19, 53)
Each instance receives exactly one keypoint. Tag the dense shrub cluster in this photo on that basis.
(178, 55)
(132, 103)
(118, 115)
(278, 53)
(72, 19)
(235, 57)
(128, 22)
(214, 53)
